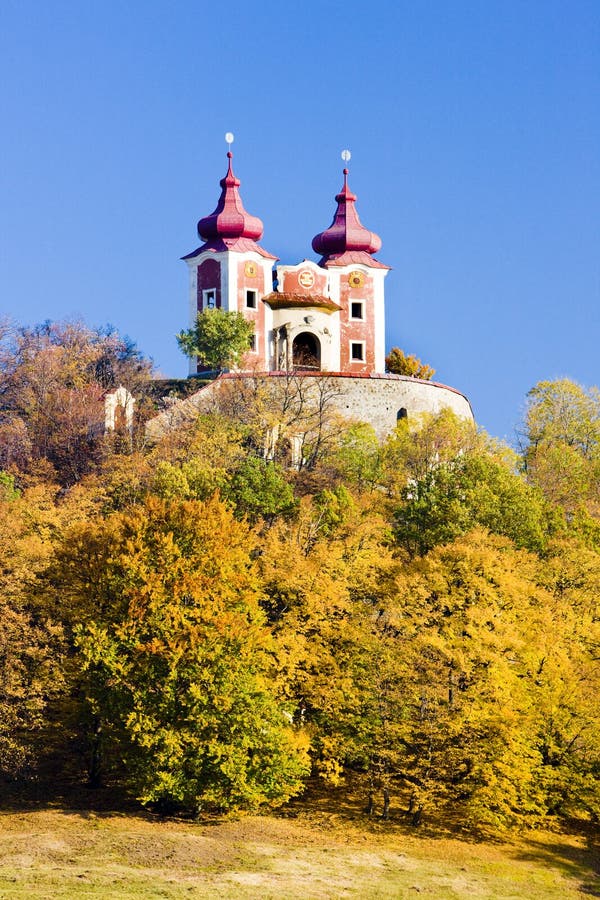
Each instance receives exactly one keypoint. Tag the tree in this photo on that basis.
(561, 449)
(31, 639)
(356, 459)
(260, 490)
(463, 617)
(446, 477)
(176, 655)
(473, 489)
(219, 339)
(53, 378)
(410, 454)
(324, 578)
(401, 363)
(474, 691)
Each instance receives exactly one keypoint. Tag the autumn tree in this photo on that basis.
(324, 576)
(176, 655)
(561, 444)
(31, 638)
(52, 383)
(219, 339)
(400, 363)
(563, 662)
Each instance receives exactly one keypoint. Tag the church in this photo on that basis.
(325, 316)
(316, 319)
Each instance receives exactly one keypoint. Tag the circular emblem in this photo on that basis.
(250, 269)
(306, 279)
(356, 279)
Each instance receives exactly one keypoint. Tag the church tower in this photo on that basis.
(329, 316)
(230, 270)
(356, 284)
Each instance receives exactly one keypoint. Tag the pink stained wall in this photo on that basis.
(315, 282)
(253, 277)
(357, 330)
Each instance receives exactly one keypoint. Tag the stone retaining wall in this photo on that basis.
(377, 399)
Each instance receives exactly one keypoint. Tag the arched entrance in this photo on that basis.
(306, 351)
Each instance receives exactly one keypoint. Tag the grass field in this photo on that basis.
(67, 853)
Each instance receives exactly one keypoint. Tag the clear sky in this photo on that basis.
(474, 127)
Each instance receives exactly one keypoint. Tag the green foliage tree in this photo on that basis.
(563, 412)
(219, 339)
(356, 459)
(176, 654)
(401, 363)
(410, 454)
(259, 490)
(562, 444)
(8, 490)
(473, 489)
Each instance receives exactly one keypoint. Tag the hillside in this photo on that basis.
(66, 853)
(210, 623)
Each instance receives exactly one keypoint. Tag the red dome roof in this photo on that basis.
(345, 234)
(230, 220)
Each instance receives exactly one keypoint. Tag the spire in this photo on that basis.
(346, 234)
(230, 221)
(230, 227)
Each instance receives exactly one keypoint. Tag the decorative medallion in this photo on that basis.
(306, 278)
(250, 269)
(356, 279)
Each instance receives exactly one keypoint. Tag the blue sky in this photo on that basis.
(474, 127)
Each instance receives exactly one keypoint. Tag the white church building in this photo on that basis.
(323, 318)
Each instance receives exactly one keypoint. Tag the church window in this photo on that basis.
(357, 309)
(357, 351)
(250, 299)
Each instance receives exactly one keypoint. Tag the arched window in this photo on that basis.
(402, 413)
(306, 351)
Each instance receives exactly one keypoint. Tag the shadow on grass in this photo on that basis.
(580, 863)
(322, 804)
(69, 797)
(74, 797)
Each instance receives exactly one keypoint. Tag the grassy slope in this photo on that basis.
(62, 853)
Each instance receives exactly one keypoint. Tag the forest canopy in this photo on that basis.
(210, 628)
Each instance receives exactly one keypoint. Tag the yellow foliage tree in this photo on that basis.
(400, 363)
(173, 643)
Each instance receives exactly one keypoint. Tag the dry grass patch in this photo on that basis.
(77, 854)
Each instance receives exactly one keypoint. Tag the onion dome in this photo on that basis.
(230, 220)
(346, 239)
(230, 227)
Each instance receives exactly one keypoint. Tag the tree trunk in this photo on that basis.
(416, 816)
(386, 804)
(370, 804)
(95, 762)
